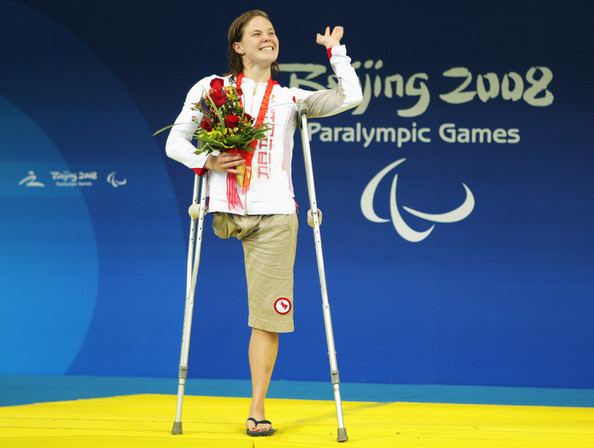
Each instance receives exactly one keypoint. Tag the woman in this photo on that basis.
(264, 215)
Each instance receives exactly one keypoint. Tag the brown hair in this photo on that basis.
(235, 34)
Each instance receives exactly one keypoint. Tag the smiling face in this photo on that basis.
(259, 44)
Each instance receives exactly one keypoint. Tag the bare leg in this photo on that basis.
(262, 355)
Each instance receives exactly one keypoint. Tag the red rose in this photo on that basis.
(239, 91)
(247, 118)
(218, 96)
(231, 121)
(217, 83)
(205, 124)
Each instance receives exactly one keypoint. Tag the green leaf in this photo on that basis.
(167, 127)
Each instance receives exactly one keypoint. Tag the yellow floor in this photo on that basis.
(145, 421)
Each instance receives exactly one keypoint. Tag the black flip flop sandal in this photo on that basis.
(259, 433)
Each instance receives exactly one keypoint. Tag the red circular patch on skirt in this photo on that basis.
(282, 305)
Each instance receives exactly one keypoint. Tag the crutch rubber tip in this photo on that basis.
(342, 435)
(194, 211)
(177, 428)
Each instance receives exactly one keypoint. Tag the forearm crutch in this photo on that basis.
(314, 220)
(197, 212)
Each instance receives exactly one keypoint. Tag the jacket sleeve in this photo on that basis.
(346, 95)
(179, 144)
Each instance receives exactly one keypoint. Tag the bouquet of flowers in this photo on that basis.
(225, 126)
(224, 123)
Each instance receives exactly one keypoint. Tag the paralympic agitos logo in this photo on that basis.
(400, 225)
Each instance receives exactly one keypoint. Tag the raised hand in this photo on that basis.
(330, 39)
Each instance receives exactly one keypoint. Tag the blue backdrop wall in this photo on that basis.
(458, 198)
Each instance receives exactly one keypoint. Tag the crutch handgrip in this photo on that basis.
(310, 219)
(194, 211)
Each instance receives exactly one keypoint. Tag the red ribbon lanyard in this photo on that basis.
(265, 102)
(232, 197)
